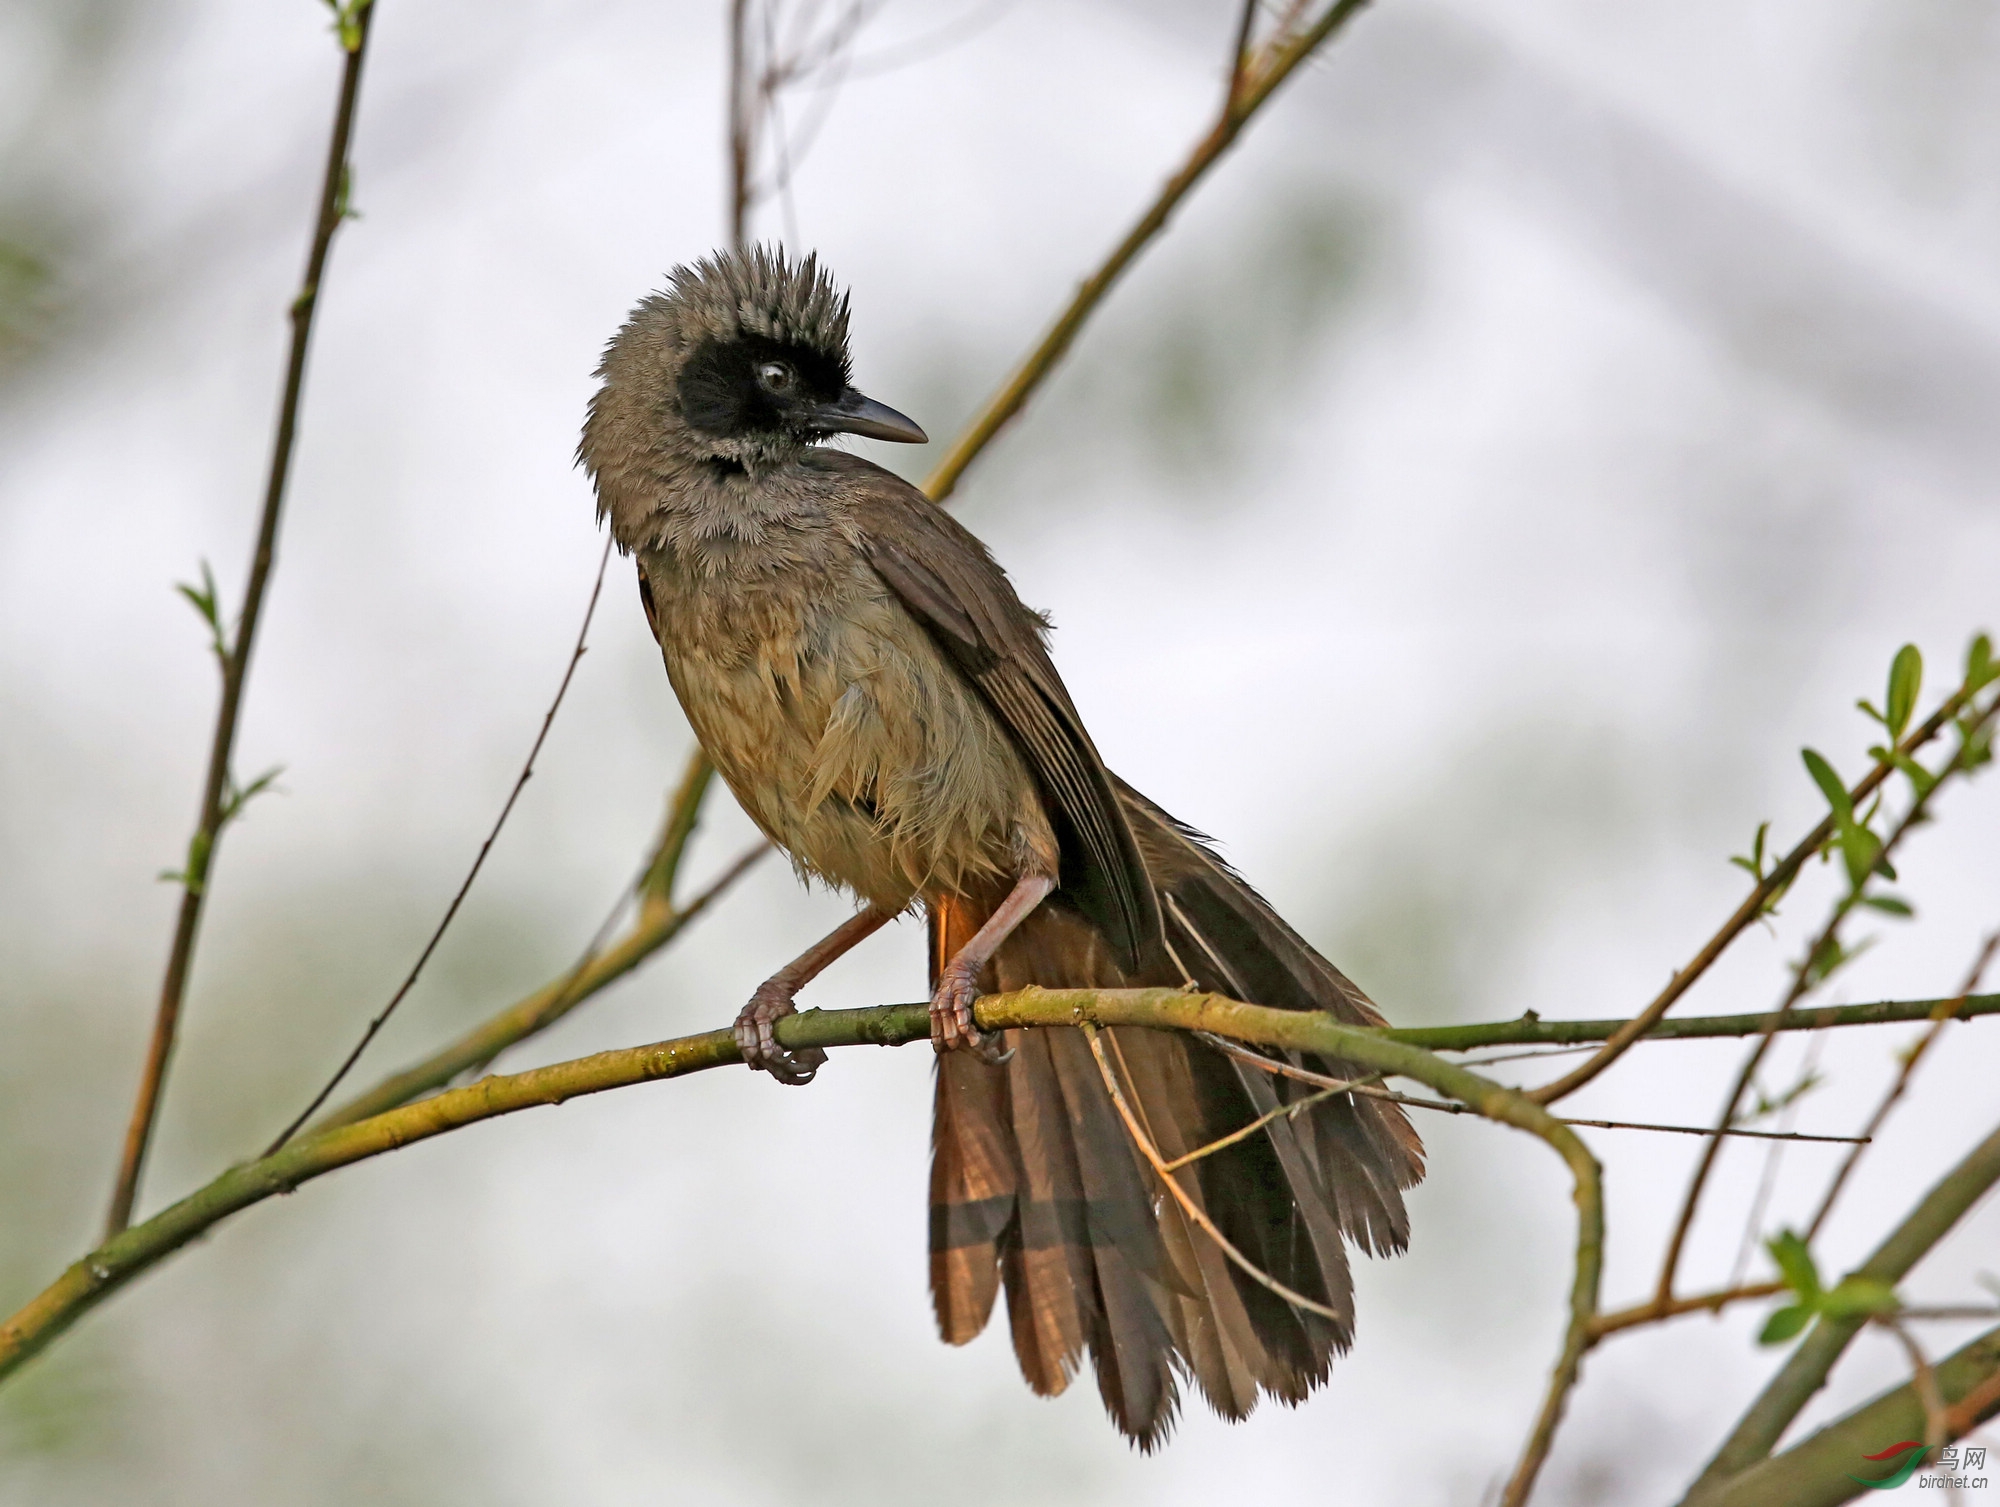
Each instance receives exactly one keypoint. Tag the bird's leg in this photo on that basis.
(773, 1001)
(958, 986)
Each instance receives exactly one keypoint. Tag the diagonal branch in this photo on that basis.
(1946, 1012)
(1816, 1471)
(1753, 908)
(416, 972)
(1805, 1370)
(1255, 74)
(659, 923)
(354, 24)
(1806, 976)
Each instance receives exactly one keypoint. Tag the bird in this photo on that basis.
(883, 706)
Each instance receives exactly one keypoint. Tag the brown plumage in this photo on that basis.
(885, 708)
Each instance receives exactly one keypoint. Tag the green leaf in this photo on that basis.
(1906, 679)
(1785, 1323)
(207, 601)
(1860, 850)
(1754, 864)
(1889, 905)
(1795, 1264)
(1768, 1105)
(1830, 784)
(1856, 1297)
(1921, 779)
(1980, 669)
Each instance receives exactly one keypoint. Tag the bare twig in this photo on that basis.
(658, 924)
(353, 30)
(1924, 1383)
(763, 65)
(1755, 904)
(1362, 1086)
(1767, 1181)
(1940, 1017)
(1653, 1311)
(471, 874)
(1282, 1112)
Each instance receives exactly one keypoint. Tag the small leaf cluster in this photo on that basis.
(193, 875)
(347, 22)
(207, 602)
(1850, 1298)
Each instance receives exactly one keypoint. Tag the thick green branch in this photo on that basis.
(1805, 1371)
(1820, 1471)
(107, 1269)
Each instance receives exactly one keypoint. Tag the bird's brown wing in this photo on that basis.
(943, 575)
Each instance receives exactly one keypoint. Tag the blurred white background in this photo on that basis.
(1553, 416)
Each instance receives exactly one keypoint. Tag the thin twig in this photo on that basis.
(235, 663)
(1940, 1018)
(1532, 1028)
(742, 144)
(1275, 64)
(659, 924)
(1282, 1112)
(1360, 1086)
(471, 874)
(1746, 915)
(1767, 1180)
(1653, 1311)
(1192, 1209)
(1924, 1383)
(1805, 978)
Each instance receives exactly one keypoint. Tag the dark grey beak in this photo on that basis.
(851, 413)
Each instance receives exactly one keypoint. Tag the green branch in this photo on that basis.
(1819, 1471)
(1805, 1371)
(1532, 1030)
(136, 1250)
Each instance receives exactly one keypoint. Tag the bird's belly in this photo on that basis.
(855, 745)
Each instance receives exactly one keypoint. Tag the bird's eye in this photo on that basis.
(776, 377)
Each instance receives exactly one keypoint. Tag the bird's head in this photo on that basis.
(739, 364)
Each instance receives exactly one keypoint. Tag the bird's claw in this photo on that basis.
(952, 1025)
(757, 1040)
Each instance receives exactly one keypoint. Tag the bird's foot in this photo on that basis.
(758, 1042)
(952, 1026)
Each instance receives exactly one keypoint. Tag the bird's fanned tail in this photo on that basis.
(1037, 1187)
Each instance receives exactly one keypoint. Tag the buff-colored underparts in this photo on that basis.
(842, 730)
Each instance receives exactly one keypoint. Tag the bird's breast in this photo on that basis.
(843, 731)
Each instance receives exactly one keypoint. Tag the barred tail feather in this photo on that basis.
(1037, 1188)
